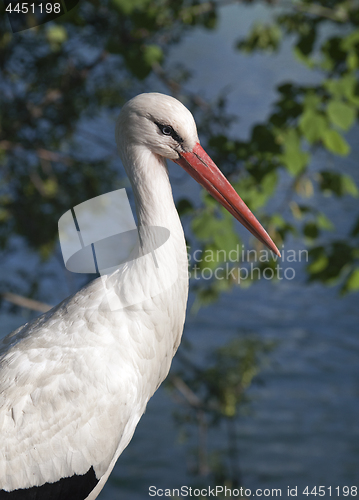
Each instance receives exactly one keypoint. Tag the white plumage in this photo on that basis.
(75, 382)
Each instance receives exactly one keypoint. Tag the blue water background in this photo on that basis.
(303, 427)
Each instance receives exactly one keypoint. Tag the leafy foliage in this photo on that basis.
(55, 76)
(95, 57)
(305, 119)
(215, 396)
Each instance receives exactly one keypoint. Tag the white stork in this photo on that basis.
(75, 381)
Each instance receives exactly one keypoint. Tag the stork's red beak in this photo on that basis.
(200, 166)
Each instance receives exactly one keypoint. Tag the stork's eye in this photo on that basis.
(166, 129)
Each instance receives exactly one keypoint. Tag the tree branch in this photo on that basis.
(21, 301)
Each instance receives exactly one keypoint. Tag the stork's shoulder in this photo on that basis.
(66, 403)
(59, 323)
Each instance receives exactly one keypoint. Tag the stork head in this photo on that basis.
(161, 124)
(158, 122)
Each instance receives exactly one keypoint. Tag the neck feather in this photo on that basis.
(155, 208)
(148, 175)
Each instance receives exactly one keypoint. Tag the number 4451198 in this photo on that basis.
(24, 8)
(321, 491)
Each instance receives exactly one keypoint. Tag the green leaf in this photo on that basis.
(225, 237)
(262, 37)
(311, 101)
(269, 183)
(335, 143)
(203, 225)
(50, 187)
(293, 158)
(352, 284)
(319, 264)
(350, 41)
(334, 87)
(56, 35)
(4, 215)
(152, 54)
(352, 60)
(278, 221)
(349, 186)
(349, 85)
(324, 223)
(304, 59)
(343, 87)
(341, 114)
(313, 126)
